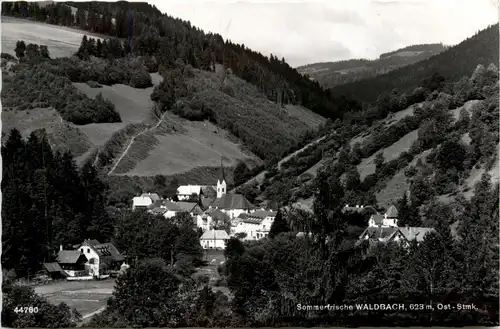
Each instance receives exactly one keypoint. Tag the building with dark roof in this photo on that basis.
(389, 219)
(102, 257)
(255, 225)
(233, 205)
(72, 262)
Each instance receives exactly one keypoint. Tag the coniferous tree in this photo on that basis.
(279, 225)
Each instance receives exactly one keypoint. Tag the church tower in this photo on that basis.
(221, 182)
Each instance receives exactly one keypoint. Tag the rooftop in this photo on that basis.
(215, 235)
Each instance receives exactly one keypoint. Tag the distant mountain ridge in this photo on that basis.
(330, 74)
(453, 63)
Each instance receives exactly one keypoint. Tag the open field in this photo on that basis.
(199, 145)
(398, 184)
(30, 120)
(367, 165)
(86, 296)
(61, 41)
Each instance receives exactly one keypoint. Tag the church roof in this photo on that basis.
(232, 201)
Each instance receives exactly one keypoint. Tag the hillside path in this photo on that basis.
(132, 141)
(260, 176)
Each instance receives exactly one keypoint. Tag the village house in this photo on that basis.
(214, 239)
(389, 219)
(190, 207)
(186, 192)
(102, 257)
(144, 201)
(165, 208)
(384, 228)
(255, 225)
(210, 217)
(72, 262)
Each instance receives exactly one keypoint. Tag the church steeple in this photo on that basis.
(221, 182)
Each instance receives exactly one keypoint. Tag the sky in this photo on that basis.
(311, 31)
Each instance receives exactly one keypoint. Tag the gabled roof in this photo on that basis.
(232, 201)
(392, 212)
(158, 211)
(415, 233)
(262, 214)
(188, 189)
(218, 215)
(378, 219)
(153, 196)
(215, 235)
(108, 250)
(382, 233)
(186, 206)
(54, 268)
(70, 257)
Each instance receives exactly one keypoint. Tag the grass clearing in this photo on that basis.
(61, 42)
(85, 296)
(198, 144)
(398, 184)
(367, 165)
(134, 105)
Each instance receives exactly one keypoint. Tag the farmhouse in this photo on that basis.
(255, 225)
(102, 257)
(72, 262)
(214, 239)
(144, 201)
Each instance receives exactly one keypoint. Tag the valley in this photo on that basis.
(156, 174)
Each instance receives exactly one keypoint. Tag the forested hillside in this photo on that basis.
(331, 74)
(169, 39)
(452, 64)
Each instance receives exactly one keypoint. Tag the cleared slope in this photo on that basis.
(61, 41)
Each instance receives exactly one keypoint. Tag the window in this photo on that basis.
(81, 250)
(88, 250)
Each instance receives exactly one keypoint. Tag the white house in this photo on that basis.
(144, 201)
(184, 192)
(102, 257)
(256, 225)
(214, 239)
(389, 219)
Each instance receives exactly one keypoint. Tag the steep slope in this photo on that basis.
(142, 145)
(331, 74)
(452, 64)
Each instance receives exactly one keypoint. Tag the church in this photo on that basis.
(232, 204)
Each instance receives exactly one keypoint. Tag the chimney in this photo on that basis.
(357, 206)
(347, 206)
(61, 247)
(362, 206)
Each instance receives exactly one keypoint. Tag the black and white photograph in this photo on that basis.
(252, 163)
